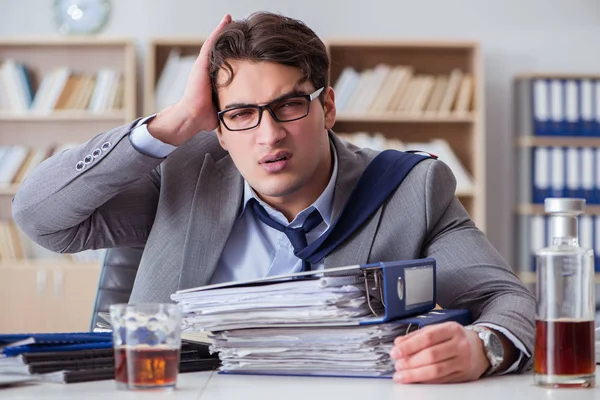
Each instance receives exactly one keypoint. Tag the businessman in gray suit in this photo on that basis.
(251, 135)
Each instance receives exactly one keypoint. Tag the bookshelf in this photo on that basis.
(557, 142)
(461, 129)
(54, 92)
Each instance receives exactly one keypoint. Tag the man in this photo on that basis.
(201, 201)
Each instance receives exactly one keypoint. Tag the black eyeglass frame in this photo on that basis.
(310, 97)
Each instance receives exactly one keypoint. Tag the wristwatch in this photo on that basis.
(494, 351)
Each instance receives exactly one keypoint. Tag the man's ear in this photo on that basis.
(220, 137)
(329, 107)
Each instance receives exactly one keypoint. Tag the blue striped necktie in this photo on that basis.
(297, 236)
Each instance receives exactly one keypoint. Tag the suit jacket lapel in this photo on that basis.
(215, 207)
(350, 168)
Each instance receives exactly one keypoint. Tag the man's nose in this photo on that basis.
(270, 131)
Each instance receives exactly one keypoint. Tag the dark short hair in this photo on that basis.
(266, 36)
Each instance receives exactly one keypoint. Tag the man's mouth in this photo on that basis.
(273, 158)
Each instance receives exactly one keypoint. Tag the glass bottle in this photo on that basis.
(564, 343)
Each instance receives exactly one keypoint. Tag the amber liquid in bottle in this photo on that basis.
(564, 348)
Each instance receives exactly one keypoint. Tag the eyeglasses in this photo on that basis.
(286, 109)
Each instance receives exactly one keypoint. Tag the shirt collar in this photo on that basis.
(324, 204)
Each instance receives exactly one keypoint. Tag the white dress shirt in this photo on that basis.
(255, 250)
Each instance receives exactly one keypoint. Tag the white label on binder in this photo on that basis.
(556, 99)
(572, 105)
(548, 230)
(541, 177)
(537, 233)
(587, 105)
(587, 168)
(586, 231)
(597, 167)
(558, 169)
(572, 168)
(540, 100)
(597, 234)
(597, 100)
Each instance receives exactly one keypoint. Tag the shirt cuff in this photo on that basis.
(145, 143)
(518, 344)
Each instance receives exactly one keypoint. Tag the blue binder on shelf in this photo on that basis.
(587, 102)
(541, 106)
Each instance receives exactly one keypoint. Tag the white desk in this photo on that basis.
(208, 385)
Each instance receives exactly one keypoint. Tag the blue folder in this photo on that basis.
(16, 344)
(57, 338)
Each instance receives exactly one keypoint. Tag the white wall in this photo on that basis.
(516, 36)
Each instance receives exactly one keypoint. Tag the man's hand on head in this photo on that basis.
(441, 353)
(195, 111)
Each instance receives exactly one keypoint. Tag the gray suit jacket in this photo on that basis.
(182, 209)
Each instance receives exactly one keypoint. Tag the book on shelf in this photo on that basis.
(387, 89)
(440, 147)
(59, 89)
(173, 78)
(16, 91)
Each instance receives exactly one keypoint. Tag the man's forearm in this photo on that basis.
(53, 203)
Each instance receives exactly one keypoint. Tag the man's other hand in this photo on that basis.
(440, 353)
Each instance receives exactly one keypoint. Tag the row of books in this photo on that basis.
(440, 147)
(534, 234)
(560, 172)
(381, 90)
(15, 245)
(59, 89)
(398, 89)
(558, 107)
(16, 162)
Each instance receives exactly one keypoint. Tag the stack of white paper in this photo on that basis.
(349, 350)
(327, 300)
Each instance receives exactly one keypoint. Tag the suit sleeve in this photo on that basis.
(103, 193)
(471, 273)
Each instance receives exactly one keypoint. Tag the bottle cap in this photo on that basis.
(564, 212)
(564, 205)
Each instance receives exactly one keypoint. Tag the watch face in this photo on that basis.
(81, 16)
(495, 347)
